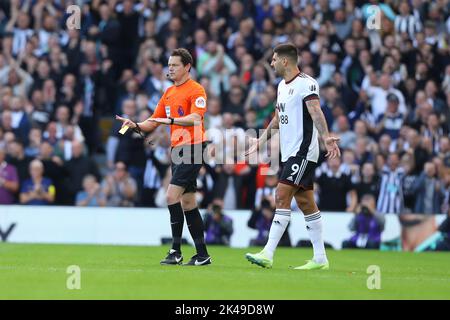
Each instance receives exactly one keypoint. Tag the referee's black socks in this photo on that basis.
(196, 228)
(176, 223)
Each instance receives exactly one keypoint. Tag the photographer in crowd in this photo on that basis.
(218, 226)
(367, 226)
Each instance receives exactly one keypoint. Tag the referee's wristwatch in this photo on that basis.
(172, 120)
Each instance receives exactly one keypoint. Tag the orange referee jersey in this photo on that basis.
(180, 101)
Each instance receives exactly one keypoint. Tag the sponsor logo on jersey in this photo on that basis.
(281, 106)
(180, 111)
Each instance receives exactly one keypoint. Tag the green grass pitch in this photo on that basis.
(37, 271)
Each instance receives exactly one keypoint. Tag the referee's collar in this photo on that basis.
(183, 82)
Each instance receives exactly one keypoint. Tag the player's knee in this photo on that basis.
(171, 198)
(282, 200)
(307, 207)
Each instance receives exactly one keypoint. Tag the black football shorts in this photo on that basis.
(298, 172)
(187, 166)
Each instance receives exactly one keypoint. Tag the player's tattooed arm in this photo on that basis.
(317, 116)
(321, 125)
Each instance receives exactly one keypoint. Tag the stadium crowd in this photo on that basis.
(384, 88)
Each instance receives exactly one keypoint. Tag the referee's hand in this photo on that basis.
(126, 122)
(332, 147)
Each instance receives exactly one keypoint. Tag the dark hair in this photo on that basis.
(216, 208)
(434, 113)
(288, 50)
(19, 142)
(185, 56)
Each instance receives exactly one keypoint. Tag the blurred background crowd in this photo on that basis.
(384, 89)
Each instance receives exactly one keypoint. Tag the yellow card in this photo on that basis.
(124, 129)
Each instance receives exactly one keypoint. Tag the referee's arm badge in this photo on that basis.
(200, 102)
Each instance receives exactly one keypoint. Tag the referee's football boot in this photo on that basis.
(173, 258)
(198, 260)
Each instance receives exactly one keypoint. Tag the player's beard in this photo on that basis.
(279, 73)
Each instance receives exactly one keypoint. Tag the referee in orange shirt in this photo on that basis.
(182, 107)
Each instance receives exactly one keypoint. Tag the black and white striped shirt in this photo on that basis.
(152, 180)
(21, 36)
(407, 24)
(434, 136)
(390, 199)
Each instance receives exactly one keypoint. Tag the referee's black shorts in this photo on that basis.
(184, 173)
(298, 172)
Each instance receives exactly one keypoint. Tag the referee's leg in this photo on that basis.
(194, 222)
(173, 197)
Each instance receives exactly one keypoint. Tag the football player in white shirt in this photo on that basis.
(300, 121)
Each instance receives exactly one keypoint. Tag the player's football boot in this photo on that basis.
(173, 257)
(311, 265)
(260, 259)
(198, 260)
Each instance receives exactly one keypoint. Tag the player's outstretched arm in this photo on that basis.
(321, 125)
(255, 144)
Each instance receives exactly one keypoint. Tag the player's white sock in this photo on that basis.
(314, 227)
(279, 225)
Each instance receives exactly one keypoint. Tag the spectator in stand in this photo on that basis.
(369, 182)
(9, 180)
(378, 94)
(390, 199)
(54, 170)
(335, 186)
(19, 160)
(218, 66)
(38, 190)
(348, 138)
(119, 188)
(34, 142)
(78, 167)
(428, 191)
(20, 122)
(92, 195)
(391, 121)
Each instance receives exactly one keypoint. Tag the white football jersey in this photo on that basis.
(298, 134)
